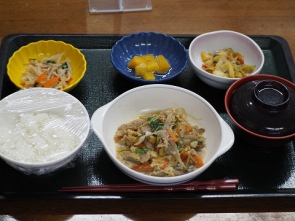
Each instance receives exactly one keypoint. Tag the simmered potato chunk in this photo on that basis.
(164, 65)
(146, 66)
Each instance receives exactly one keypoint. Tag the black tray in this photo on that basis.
(262, 173)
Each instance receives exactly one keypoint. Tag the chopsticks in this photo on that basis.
(211, 185)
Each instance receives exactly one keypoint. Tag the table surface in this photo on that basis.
(175, 17)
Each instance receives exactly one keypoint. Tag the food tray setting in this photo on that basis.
(261, 172)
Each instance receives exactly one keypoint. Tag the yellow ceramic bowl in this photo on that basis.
(41, 49)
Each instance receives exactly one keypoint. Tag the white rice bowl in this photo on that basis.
(41, 129)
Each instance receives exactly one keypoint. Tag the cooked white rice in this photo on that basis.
(36, 138)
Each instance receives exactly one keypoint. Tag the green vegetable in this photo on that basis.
(180, 144)
(155, 123)
(141, 150)
(50, 61)
(176, 120)
(200, 142)
(64, 65)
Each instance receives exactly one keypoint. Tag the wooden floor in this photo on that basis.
(197, 217)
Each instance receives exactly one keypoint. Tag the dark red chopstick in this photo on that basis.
(212, 185)
(224, 187)
(135, 185)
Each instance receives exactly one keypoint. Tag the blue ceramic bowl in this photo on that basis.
(149, 43)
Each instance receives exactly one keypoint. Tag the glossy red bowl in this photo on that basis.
(262, 109)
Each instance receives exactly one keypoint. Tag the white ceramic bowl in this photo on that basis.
(140, 100)
(217, 40)
(72, 118)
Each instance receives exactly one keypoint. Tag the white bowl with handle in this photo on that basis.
(156, 97)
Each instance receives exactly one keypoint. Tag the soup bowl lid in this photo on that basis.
(263, 105)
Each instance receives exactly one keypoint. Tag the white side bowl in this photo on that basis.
(73, 117)
(217, 40)
(140, 100)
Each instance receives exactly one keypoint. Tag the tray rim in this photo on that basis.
(242, 194)
(10, 37)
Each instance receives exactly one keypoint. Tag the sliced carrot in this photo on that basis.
(188, 129)
(184, 155)
(171, 134)
(51, 81)
(140, 145)
(199, 161)
(240, 60)
(143, 167)
(41, 77)
(117, 139)
(166, 161)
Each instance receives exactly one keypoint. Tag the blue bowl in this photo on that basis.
(149, 43)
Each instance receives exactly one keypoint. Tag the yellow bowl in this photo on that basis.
(41, 49)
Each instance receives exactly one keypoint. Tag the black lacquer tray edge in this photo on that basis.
(7, 39)
(242, 194)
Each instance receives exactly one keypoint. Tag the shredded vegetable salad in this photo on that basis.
(162, 144)
(226, 63)
(53, 72)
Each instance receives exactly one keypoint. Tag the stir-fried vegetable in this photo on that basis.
(226, 63)
(53, 72)
(161, 144)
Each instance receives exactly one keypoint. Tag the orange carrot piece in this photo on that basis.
(117, 139)
(143, 167)
(51, 81)
(166, 161)
(171, 134)
(188, 129)
(140, 145)
(41, 77)
(240, 60)
(184, 155)
(158, 149)
(198, 160)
